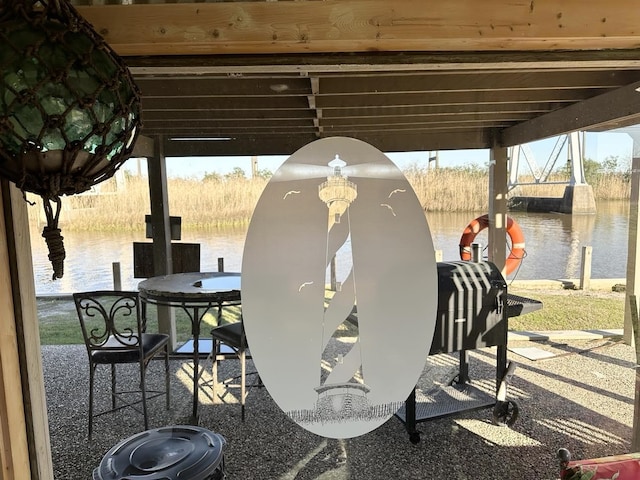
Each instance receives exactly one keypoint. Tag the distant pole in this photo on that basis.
(220, 264)
(117, 276)
(254, 166)
(585, 270)
(476, 250)
(435, 158)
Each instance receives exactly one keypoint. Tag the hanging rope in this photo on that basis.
(69, 108)
(52, 236)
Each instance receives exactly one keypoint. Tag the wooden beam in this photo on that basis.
(364, 26)
(14, 450)
(262, 114)
(226, 103)
(455, 98)
(433, 110)
(426, 119)
(162, 252)
(216, 87)
(614, 106)
(378, 82)
(229, 124)
(28, 332)
(310, 64)
(386, 142)
(497, 247)
(633, 244)
(439, 82)
(144, 147)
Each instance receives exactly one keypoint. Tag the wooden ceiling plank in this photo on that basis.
(256, 114)
(454, 98)
(226, 103)
(358, 129)
(394, 111)
(376, 83)
(426, 119)
(363, 25)
(213, 87)
(287, 144)
(392, 62)
(596, 112)
(231, 123)
(257, 145)
(353, 131)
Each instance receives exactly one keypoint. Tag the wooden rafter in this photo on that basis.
(364, 26)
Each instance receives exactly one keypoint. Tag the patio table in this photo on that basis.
(196, 294)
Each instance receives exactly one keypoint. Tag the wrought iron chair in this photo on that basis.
(229, 341)
(115, 333)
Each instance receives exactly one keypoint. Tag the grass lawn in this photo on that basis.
(59, 322)
(571, 310)
(562, 310)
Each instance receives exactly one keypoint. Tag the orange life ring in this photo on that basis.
(513, 230)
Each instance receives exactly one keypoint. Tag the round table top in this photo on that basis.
(198, 286)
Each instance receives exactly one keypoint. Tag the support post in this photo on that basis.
(576, 158)
(635, 436)
(117, 276)
(25, 450)
(161, 231)
(476, 252)
(585, 269)
(633, 269)
(498, 207)
(254, 166)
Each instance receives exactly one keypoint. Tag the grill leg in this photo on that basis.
(463, 375)
(410, 417)
(501, 365)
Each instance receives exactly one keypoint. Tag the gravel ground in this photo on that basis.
(582, 399)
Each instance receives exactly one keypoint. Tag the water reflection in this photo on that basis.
(553, 248)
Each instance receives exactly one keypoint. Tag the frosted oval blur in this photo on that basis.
(339, 363)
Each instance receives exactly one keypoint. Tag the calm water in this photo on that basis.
(553, 244)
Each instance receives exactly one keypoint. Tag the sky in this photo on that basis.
(598, 147)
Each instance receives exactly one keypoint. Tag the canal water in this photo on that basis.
(554, 245)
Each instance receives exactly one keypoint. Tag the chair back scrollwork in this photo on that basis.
(110, 320)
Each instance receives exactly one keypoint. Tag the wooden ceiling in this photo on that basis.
(267, 77)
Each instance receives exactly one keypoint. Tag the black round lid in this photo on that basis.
(181, 451)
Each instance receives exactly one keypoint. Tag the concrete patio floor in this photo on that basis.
(580, 399)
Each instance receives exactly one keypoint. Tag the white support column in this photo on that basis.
(575, 156)
(514, 165)
(498, 207)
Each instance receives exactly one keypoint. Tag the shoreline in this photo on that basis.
(599, 284)
(567, 284)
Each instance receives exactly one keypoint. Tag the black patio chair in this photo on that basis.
(115, 333)
(229, 341)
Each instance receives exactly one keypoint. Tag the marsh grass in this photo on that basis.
(218, 203)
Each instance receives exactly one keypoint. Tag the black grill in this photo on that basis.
(473, 312)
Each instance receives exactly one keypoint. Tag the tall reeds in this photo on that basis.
(216, 203)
